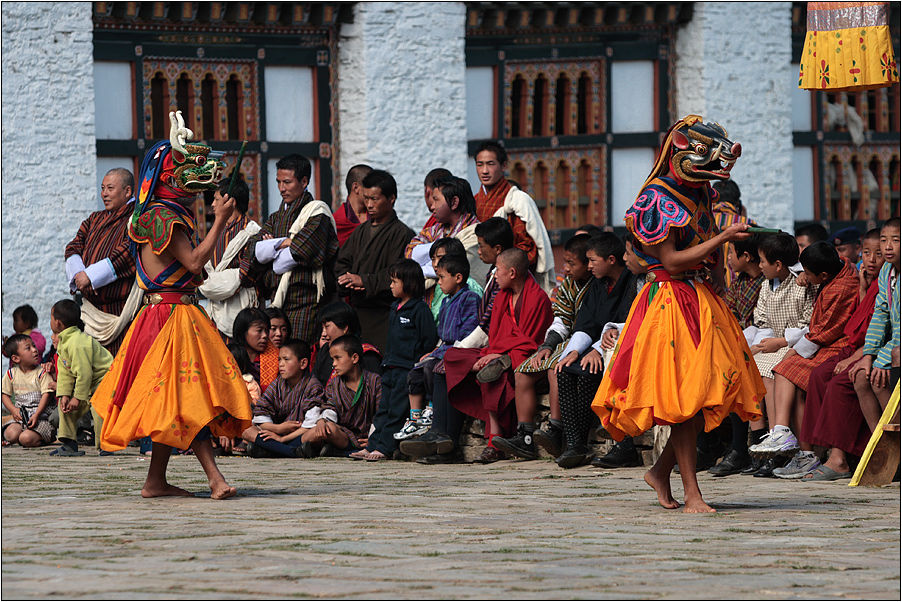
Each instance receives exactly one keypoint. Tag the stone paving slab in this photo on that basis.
(77, 528)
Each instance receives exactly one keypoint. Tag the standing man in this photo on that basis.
(223, 284)
(499, 198)
(364, 261)
(352, 212)
(99, 264)
(292, 259)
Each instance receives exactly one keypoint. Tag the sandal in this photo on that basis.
(825, 473)
(376, 456)
(360, 454)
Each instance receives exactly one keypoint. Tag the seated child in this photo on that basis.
(411, 334)
(495, 235)
(279, 326)
(278, 416)
(837, 299)
(871, 374)
(338, 319)
(440, 248)
(565, 306)
(833, 416)
(251, 330)
(480, 382)
(782, 312)
(82, 364)
(342, 423)
(27, 394)
(581, 367)
(741, 299)
(25, 321)
(458, 318)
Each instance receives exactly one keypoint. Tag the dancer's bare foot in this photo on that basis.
(662, 487)
(220, 490)
(696, 505)
(164, 490)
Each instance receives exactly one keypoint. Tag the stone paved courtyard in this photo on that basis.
(78, 528)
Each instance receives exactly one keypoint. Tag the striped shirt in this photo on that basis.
(225, 238)
(742, 298)
(885, 318)
(354, 418)
(281, 402)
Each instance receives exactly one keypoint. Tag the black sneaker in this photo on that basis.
(305, 450)
(733, 463)
(330, 451)
(427, 445)
(767, 468)
(551, 440)
(521, 445)
(620, 456)
(752, 468)
(454, 457)
(574, 456)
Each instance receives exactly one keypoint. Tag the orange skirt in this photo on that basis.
(681, 352)
(172, 377)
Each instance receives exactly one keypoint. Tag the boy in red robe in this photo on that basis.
(352, 212)
(480, 382)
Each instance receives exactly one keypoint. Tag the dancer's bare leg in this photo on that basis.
(219, 489)
(684, 438)
(155, 485)
(658, 476)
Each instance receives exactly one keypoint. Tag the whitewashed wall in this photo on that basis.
(402, 95)
(48, 178)
(733, 66)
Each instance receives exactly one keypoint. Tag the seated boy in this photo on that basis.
(440, 248)
(566, 304)
(580, 369)
(833, 415)
(278, 416)
(27, 394)
(342, 422)
(833, 308)
(458, 318)
(871, 374)
(82, 364)
(479, 382)
(495, 236)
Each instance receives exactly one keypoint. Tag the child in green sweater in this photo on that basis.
(82, 365)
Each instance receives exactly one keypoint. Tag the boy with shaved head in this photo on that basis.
(480, 382)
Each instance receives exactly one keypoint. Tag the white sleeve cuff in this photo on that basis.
(750, 334)
(74, 265)
(420, 254)
(330, 415)
(284, 262)
(101, 273)
(763, 333)
(597, 347)
(476, 339)
(806, 348)
(611, 326)
(265, 250)
(794, 335)
(312, 417)
(558, 326)
(261, 419)
(579, 342)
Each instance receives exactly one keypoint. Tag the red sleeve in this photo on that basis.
(834, 308)
(522, 239)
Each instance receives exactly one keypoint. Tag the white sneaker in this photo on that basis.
(426, 417)
(410, 429)
(801, 464)
(782, 443)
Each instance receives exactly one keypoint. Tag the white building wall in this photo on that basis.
(48, 177)
(402, 95)
(733, 66)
